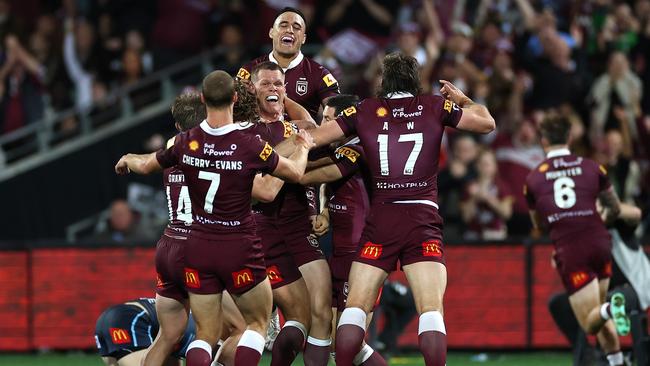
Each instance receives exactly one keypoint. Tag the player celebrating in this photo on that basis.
(562, 193)
(309, 84)
(220, 193)
(123, 332)
(400, 132)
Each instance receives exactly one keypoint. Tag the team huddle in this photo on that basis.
(242, 180)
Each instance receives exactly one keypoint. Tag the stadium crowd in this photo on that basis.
(524, 59)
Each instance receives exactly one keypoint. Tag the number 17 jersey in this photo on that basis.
(563, 190)
(401, 138)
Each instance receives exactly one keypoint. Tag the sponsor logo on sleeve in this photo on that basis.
(119, 336)
(274, 275)
(602, 169)
(288, 129)
(382, 112)
(543, 168)
(371, 251)
(432, 248)
(578, 279)
(266, 152)
(349, 111)
(159, 282)
(192, 278)
(194, 145)
(301, 87)
(347, 152)
(448, 105)
(243, 74)
(242, 278)
(329, 80)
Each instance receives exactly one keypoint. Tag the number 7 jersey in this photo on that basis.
(401, 138)
(563, 190)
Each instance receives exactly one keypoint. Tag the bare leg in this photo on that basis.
(172, 316)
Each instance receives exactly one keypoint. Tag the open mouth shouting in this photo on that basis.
(287, 40)
(272, 98)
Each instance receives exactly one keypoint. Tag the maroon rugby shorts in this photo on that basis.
(579, 262)
(303, 245)
(170, 264)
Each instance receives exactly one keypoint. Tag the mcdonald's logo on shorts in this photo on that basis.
(242, 278)
(607, 270)
(578, 279)
(192, 278)
(119, 336)
(274, 275)
(371, 250)
(431, 248)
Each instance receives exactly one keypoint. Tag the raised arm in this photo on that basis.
(266, 187)
(140, 164)
(323, 174)
(292, 169)
(327, 133)
(475, 117)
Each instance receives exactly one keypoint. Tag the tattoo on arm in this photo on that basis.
(609, 200)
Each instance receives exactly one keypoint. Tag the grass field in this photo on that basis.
(454, 359)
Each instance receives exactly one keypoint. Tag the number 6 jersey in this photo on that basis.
(563, 190)
(401, 137)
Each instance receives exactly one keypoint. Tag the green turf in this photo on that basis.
(455, 359)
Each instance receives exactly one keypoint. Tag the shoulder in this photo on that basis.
(245, 71)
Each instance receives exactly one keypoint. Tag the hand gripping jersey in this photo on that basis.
(308, 83)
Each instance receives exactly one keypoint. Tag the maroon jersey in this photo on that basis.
(348, 200)
(401, 138)
(308, 83)
(219, 165)
(563, 190)
(178, 202)
(293, 199)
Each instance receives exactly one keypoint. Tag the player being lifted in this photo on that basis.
(562, 193)
(400, 132)
(222, 251)
(309, 84)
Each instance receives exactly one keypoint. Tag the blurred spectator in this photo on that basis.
(372, 18)
(21, 87)
(487, 202)
(124, 225)
(232, 49)
(618, 88)
(453, 178)
(623, 172)
(517, 153)
(82, 79)
(134, 41)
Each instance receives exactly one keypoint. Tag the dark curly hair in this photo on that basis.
(245, 109)
(400, 73)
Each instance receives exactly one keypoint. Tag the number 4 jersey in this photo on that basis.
(218, 167)
(563, 190)
(401, 138)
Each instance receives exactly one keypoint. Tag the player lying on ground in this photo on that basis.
(124, 332)
(562, 193)
(400, 132)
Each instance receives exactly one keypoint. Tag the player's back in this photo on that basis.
(563, 190)
(401, 137)
(219, 165)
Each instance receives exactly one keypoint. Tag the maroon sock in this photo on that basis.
(317, 352)
(375, 360)
(433, 346)
(198, 357)
(348, 343)
(245, 356)
(287, 345)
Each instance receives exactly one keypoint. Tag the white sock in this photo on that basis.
(252, 339)
(319, 342)
(431, 321)
(363, 355)
(603, 311)
(301, 327)
(353, 316)
(197, 343)
(615, 359)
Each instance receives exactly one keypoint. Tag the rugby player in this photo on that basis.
(400, 132)
(123, 332)
(562, 193)
(222, 251)
(309, 84)
(345, 212)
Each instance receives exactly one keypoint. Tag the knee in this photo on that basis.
(322, 313)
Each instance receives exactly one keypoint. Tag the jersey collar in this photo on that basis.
(223, 130)
(296, 61)
(557, 153)
(399, 95)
